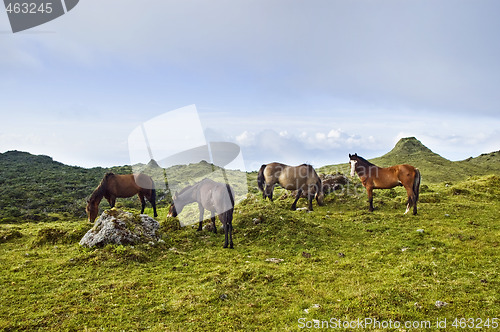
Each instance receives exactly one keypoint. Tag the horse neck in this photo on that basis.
(98, 193)
(363, 167)
(185, 197)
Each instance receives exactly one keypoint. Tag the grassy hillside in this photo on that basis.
(433, 167)
(38, 188)
(288, 268)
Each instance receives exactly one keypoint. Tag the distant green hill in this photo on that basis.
(37, 188)
(34, 186)
(433, 167)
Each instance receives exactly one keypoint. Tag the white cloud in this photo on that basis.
(246, 138)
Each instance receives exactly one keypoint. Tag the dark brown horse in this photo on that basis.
(218, 198)
(374, 177)
(302, 178)
(115, 186)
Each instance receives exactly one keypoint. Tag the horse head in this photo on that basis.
(172, 212)
(92, 209)
(353, 160)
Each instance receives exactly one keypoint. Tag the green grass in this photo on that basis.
(360, 265)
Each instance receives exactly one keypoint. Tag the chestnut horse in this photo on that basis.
(115, 186)
(302, 178)
(374, 177)
(213, 196)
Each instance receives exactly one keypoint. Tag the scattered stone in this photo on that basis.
(404, 249)
(209, 227)
(275, 260)
(417, 305)
(331, 183)
(440, 304)
(115, 226)
(256, 221)
(446, 215)
(420, 230)
(223, 297)
(341, 255)
(306, 254)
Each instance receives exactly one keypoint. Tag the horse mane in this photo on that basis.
(183, 190)
(363, 160)
(101, 188)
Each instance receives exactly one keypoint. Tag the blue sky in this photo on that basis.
(290, 81)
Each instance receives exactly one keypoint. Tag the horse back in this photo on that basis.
(295, 177)
(127, 185)
(390, 177)
(215, 196)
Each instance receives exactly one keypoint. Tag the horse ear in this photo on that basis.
(350, 156)
(356, 154)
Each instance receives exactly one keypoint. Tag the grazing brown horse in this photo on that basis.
(374, 177)
(302, 178)
(115, 186)
(216, 197)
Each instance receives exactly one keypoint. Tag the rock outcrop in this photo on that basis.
(119, 227)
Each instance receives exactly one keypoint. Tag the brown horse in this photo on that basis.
(115, 186)
(374, 177)
(302, 178)
(218, 198)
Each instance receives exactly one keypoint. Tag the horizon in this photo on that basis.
(246, 170)
(286, 81)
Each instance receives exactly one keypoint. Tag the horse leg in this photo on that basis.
(212, 217)
(112, 201)
(369, 191)
(152, 200)
(200, 226)
(310, 199)
(269, 191)
(143, 202)
(223, 220)
(294, 205)
(228, 228)
(411, 201)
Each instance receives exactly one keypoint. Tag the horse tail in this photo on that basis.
(230, 192)
(153, 192)
(260, 178)
(416, 185)
(320, 194)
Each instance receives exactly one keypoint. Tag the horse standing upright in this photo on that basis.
(216, 197)
(115, 186)
(374, 177)
(302, 178)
